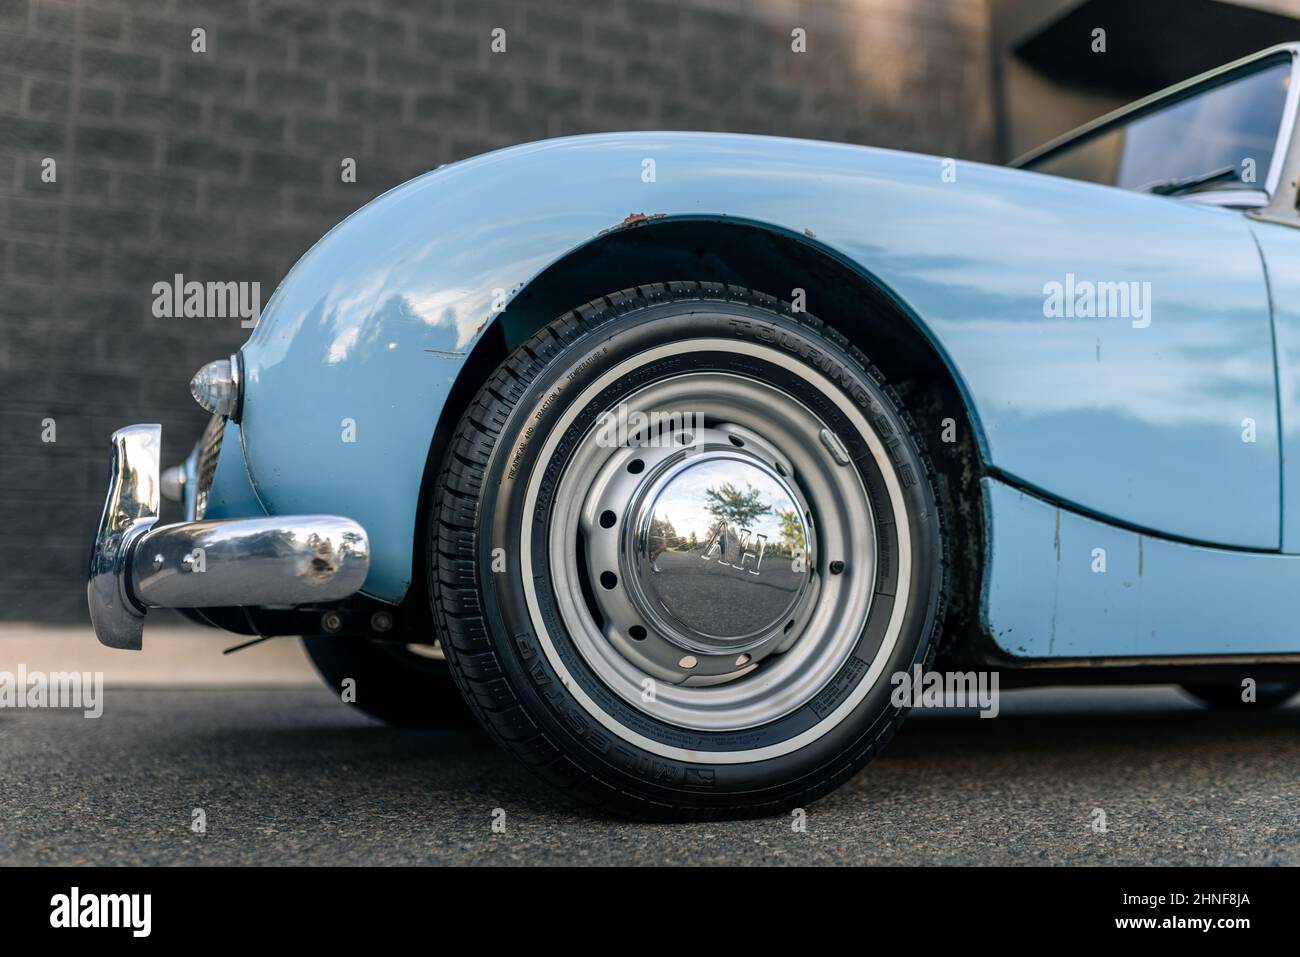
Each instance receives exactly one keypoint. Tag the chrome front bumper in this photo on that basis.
(274, 560)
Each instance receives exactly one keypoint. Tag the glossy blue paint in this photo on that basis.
(1140, 425)
(1046, 596)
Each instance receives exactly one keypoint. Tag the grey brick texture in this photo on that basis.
(223, 165)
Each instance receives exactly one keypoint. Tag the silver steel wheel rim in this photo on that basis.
(697, 751)
(684, 676)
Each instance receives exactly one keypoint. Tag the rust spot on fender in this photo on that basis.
(632, 219)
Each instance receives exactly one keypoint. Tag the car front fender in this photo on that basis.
(351, 364)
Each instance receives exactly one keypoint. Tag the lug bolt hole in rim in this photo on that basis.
(723, 603)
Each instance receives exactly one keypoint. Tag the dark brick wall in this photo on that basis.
(224, 165)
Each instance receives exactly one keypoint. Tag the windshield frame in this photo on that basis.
(1264, 195)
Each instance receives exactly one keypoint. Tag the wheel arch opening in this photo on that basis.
(777, 263)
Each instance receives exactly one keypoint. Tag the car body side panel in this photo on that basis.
(348, 369)
(1060, 586)
(1280, 246)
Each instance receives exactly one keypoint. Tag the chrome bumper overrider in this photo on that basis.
(275, 560)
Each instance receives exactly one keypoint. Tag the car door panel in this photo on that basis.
(1280, 247)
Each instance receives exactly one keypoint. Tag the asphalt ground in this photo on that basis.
(284, 773)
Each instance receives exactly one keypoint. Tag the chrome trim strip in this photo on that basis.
(273, 560)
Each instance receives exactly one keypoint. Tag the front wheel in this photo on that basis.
(683, 539)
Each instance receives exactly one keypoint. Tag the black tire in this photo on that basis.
(491, 642)
(398, 686)
(1268, 694)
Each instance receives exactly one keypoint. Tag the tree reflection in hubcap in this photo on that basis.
(719, 551)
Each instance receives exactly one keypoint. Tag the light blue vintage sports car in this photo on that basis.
(671, 450)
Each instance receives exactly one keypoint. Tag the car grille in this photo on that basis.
(209, 449)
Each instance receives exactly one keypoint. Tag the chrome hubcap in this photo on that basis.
(693, 569)
(717, 556)
(699, 545)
